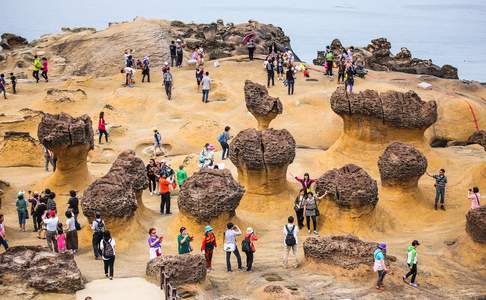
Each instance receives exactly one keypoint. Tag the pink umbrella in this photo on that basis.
(248, 37)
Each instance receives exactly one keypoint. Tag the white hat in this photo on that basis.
(249, 230)
(166, 63)
(178, 40)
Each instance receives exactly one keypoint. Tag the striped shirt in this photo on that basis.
(440, 181)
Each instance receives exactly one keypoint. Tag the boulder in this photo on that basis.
(65, 95)
(261, 105)
(262, 158)
(401, 165)
(40, 269)
(348, 252)
(208, 193)
(476, 224)
(118, 193)
(478, 137)
(349, 187)
(182, 269)
(19, 149)
(11, 41)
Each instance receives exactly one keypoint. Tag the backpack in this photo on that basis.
(108, 249)
(100, 226)
(246, 244)
(290, 238)
(221, 138)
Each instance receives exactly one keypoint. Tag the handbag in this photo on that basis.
(229, 247)
(26, 213)
(317, 212)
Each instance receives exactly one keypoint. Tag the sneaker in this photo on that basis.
(151, 194)
(308, 231)
(315, 232)
(106, 275)
(435, 207)
(442, 207)
(414, 285)
(111, 278)
(404, 279)
(240, 270)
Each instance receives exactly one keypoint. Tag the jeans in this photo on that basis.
(412, 272)
(172, 60)
(34, 221)
(35, 74)
(225, 147)
(381, 276)
(146, 73)
(109, 264)
(101, 135)
(179, 60)
(340, 77)
(228, 259)
(14, 88)
(44, 75)
(439, 193)
(249, 260)
(168, 89)
(251, 50)
(205, 96)
(286, 254)
(97, 236)
(165, 203)
(290, 87)
(329, 68)
(51, 240)
(314, 222)
(4, 243)
(22, 216)
(300, 217)
(270, 77)
(152, 183)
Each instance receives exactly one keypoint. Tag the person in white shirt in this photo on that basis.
(129, 76)
(230, 235)
(206, 86)
(290, 232)
(51, 228)
(107, 247)
(72, 233)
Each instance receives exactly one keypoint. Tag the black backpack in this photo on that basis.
(108, 251)
(290, 238)
(246, 244)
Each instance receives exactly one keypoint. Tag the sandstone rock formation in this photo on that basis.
(65, 95)
(208, 193)
(118, 193)
(11, 41)
(401, 165)
(476, 224)
(348, 252)
(19, 149)
(181, 269)
(262, 158)
(478, 137)
(261, 105)
(349, 186)
(41, 269)
(4, 185)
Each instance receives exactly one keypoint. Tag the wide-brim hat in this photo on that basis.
(382, 246)
(208, 228)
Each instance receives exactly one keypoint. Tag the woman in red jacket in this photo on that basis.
(306, 182)
(208, 245)
(249, 247)
(102, 127)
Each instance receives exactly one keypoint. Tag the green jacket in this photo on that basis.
(412, 255)
(37, 64)
(181, 176)
(21, 205)
(330, 56)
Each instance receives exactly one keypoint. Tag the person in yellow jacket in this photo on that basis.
(37, 68)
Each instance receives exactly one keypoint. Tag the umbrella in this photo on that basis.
(248, 37)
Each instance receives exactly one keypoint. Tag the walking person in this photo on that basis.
(251, 49)
(71, 232)
(47, 158)
(45, 69)
(179, 53)
(290, 79)
(3, 239)
(223, 141)
(290, 241)
(208, 245)
(329, 62)
(51, 221)
(412, 263)
(184, 241)
(164, 186)
(40, 210)
(474, 196)
(73, 206)
(3, 86)
(21, 206)
(379, 265)
(152, 177)
(206, 86)
(107, 248)
(34, 201)
(98, 228)
(154, 244)
(172, 50)
(199, 75)
(230, 246)
(168, 83)
(349, 78)
(311, 211)
(181, 176)
(102, 128)
(341, 70)
(270, 72)
(146, 69)
(157, 142)
(280, 67)
(299, 207)
(440, 185)
(13, 82)
(37, 67)
(248, 247)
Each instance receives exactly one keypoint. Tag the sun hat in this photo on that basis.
(208, 228)
(249, 230)
(382, 246)
(20, 194)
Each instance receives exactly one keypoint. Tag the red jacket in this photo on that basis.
(208, 239)
(101, 124)
(252, 238)
(164, 185)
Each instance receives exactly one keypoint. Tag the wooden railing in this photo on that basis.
(170, 291)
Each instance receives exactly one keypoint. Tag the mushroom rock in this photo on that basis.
(20, 149)
(70, 139)
(476, 224)
(261, 105)
(349, 187)
(348, 252)
(65, 95)
(478, 137)
(401, 165)
(209, 193)
(41, 269)
(117, 194)
(262, 158)
(10, 41)
(182, 269)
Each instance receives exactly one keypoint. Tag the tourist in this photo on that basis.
(157, 142)
(223, 141)
(199, 75)
(98, 228)
(206, 158)
(306, 182)
(13, 82)
(181, 176)
(341, 70)
(51, 202)
(272, 50)
(311, 211)
(379, 265)
(329, 62)
(248, 247)
(179, 53)
(172, 50)
(412, 263)
(290, 80)
(251, 49)
(151, 171)
(230, 246)
(164, 186)
(73, 205)
(270, 72)
(45, 69)
(102, 128)
(146, 68)
(34, 201)
(21, 206)
(208, 245)
(206, 86)
(3, 86)
(184, 241)
(51, 221)
(440, 185)
(37, 67)
(130, 63)
(71, 232)
(290, 241)
(168, 82)
(474, 196)
(107, 248)
(60, 238)
(299, 207)
(280, 67)
(129, 75)
(47, 158)
(40, 210)
(349, 78)
(154, 243)
(3, 240)
(167, 171)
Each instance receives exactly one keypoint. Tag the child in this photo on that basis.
(13, 81)
(61, 238)
(306, 73)
(2, 85)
